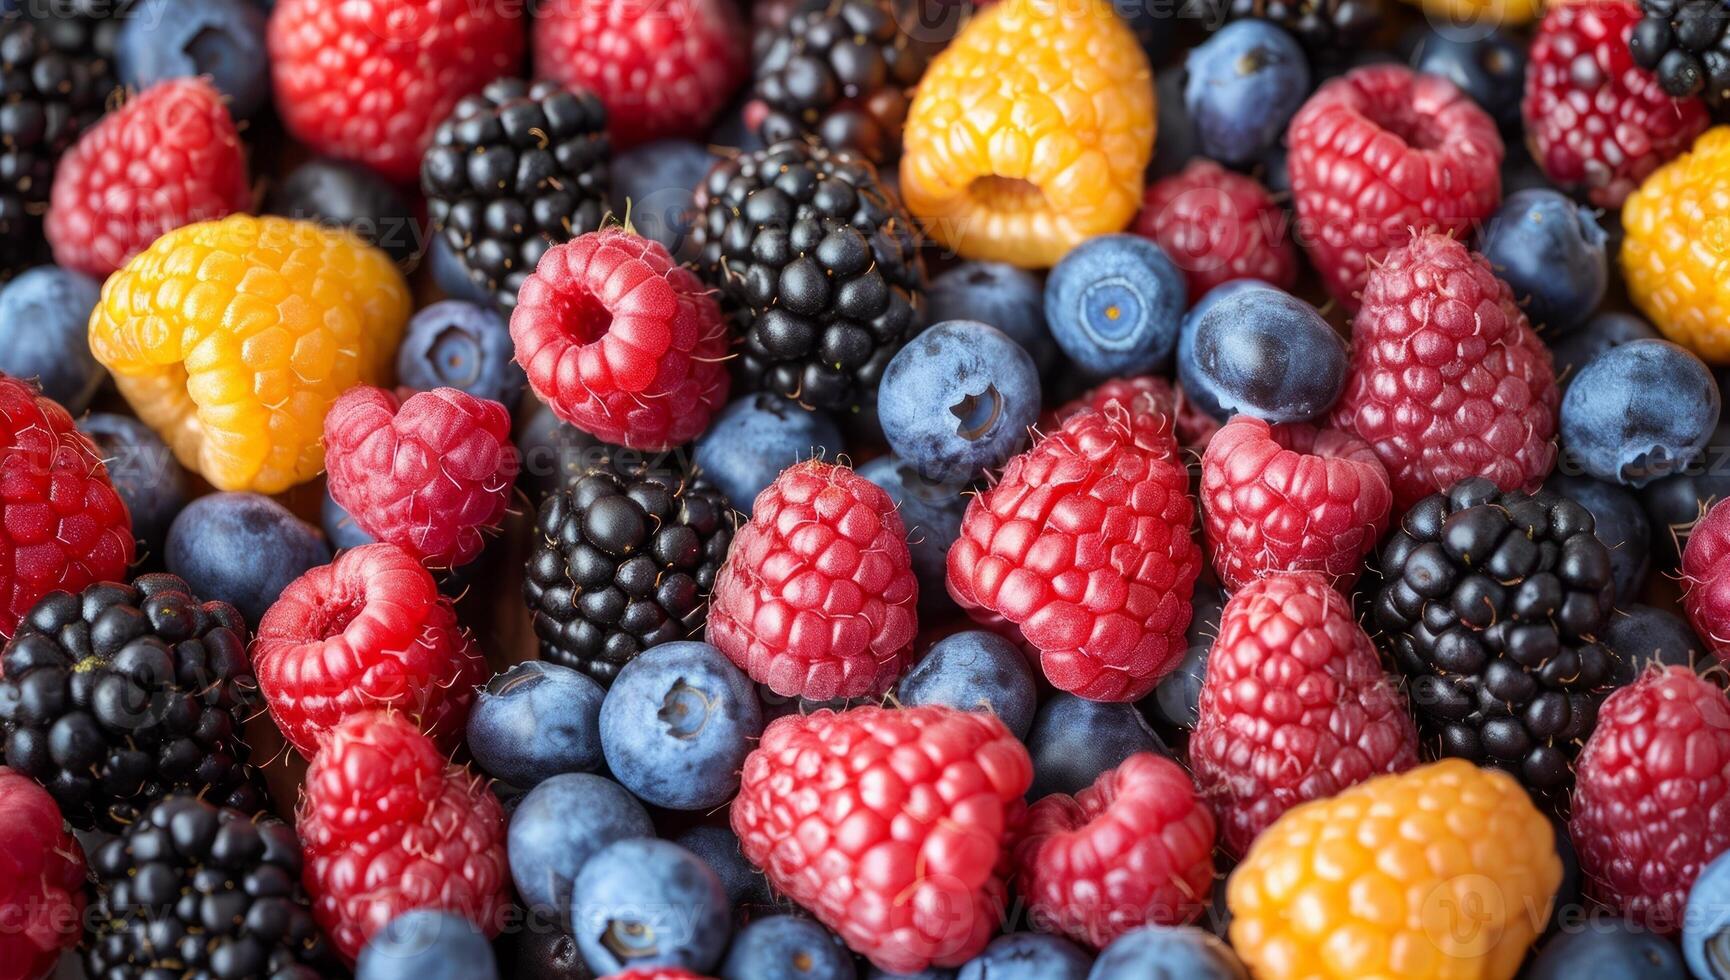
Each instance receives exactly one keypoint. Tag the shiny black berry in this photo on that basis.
(1684, 43)
(1328, 29)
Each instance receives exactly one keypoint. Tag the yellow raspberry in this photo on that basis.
(1676, 247)
(1480, 13)
(1443, 871)
(1030, 132)
(230, 338)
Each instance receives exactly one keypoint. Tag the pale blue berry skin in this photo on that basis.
(220, 39)
(562, 823)
(423, 944)
(536, 721)
(242, 548)
(1608, 948)
(44, 334)
(1639, 412)
(451, 275)
(652, 183)
(1258, 350)
(677, 724)
(782, 947)
(975, 670)
(1552, 253)
(339, 525)
(1167, 953)
(755, 438)
(1028, 956)
(931, 513)
(144, 472)
(1244, 84)
(1009, 298)
(957, 400)
(1073, 740)
(1115, 304)
(1706, 923)
(653, 901)
(453, 344)
(1573, 350)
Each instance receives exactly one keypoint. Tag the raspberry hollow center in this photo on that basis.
(1007, 194)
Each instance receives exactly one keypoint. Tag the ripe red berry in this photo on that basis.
(1382, 152)
(1652, 795)
(170, 157)
(1084, 544)
(817, 595)
(1706, 578)
(41, 881)
(1295, 706)
(1447, 379)
(1157, 404)
(369, 80)
(889, 824)
(367, 631)
(388, 825)
(1218, 226)
(1291, 498)
(621, 342)
(429, 474)
(1133, 849)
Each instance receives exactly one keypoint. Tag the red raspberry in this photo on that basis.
(41, 881)
(1291, 498)
(621, 342)
(62, 526)
(1295, 706)
(389, 826)
(1652, 795)
(369, 80)
(1218, 226)
(1706, 577)
(816, 598)
(1133, 849)
(369, 630)
(169, 157)
(1084, 543)
(1447, 378)
(1595, 120)
(889, 825)
(656, 973)
(663, 68)
(429, 474)
(1382, 152)
(1149, 395)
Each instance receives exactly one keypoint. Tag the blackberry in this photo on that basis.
(515, 170)
(1685, 43)
(819, 262)
(195, 890)
(87, 28)
(1327, 29)
(840, 70)
(624, 559)
(122, 694)
(1493, 603)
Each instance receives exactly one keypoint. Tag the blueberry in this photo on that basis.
(755, 438)
(1706, 923)
(552, 453)
(1619, 522)
(453, 344)
(1073, 740)
(1245, 83)
(1028, 956)
(560, 825)
(1175, 701)
(1638, 412)
(1642, 636)
(1260, 351)
(932, 514)
(536, 721)
(242, 548)
(1167, 953)
(44, 334)
(449, 273)
(348, 195)
(652, 184)
(221, 39)
(1607, 947)
(425, 944)
(1488, 66)
(1114, 304)
(1675, 502)
(649, 903)
(677, 724)
(144, 472)
(975, 670)
(540, 950)
(957, 400)
(1008, 298)
(719, 849)
(339, 525)
(1177, 143)
(782, 947)
(1551, 252)
(1576, 348)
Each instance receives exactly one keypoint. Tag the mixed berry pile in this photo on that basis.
(858, 489)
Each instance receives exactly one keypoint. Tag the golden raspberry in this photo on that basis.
(232, 337)
(1443, 871)
(1030, 132)
(1480, 13)
(1676, 247)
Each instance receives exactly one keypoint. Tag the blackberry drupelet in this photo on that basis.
(192, 889)
(623, 560)
(843, 71)
(1684, 42)
(1492, 603)
(514, 171)
(122, 694)
(819, 262)
(82, 27)
(1327, 29)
